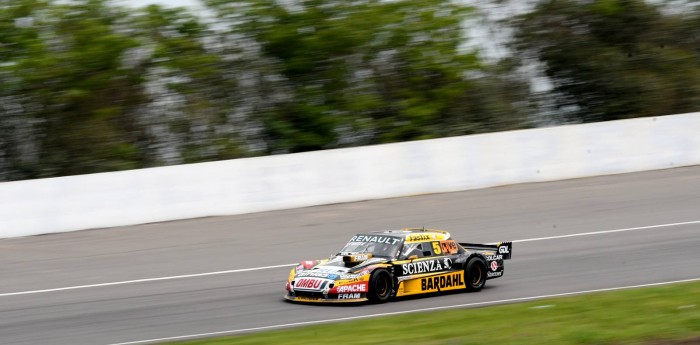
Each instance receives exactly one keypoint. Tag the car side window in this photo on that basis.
(410, 249)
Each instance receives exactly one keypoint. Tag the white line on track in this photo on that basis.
(608, 231)
(503, 301)
(289, 265)
(144, 280)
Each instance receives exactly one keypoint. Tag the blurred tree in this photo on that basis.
(66, 96)
(88, 87)
(192, 89)
(613, 59)
(367, 72)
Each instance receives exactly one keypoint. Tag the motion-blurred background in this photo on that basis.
(92, 85)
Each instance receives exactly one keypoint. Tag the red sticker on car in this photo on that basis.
(357, 287)
(309, 284)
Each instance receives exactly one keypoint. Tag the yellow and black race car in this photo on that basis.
(381, 265)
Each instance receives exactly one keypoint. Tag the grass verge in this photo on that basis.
(657, 315)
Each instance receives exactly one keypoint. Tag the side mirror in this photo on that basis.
(413, 257)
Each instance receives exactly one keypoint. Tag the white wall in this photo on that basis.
(314, 178)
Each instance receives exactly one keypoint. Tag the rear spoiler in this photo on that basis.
(502, 248)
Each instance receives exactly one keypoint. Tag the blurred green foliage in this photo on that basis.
(87, 86)
(614, 59)
(90, 87)
(370, 72)
(67, 102)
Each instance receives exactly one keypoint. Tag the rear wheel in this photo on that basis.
(475, 274)
(380, 286)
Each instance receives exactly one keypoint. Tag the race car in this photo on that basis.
(382, 265)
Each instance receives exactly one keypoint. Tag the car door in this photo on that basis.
(429, 266)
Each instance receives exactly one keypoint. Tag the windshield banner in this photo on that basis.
(375, 239)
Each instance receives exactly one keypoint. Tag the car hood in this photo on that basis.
(335, 268)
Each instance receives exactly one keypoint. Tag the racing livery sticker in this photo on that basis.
(494, 265)
(307, 264)
(437, 283)
(312, 273)
(310, 284)
(357, 287)
(418, 238)
(436, 248)
(449, 247)
(494, 274)
(360, 257)
(441, 282)
(503, 250)
(377, 239)
(426, 266)
(350, 276)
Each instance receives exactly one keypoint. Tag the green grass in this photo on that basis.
(641, 316)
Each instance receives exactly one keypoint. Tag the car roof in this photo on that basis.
(417, 234)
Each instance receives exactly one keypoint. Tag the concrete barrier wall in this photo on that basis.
(297, 180)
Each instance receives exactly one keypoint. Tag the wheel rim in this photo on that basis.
(476, 276)
(382, 286)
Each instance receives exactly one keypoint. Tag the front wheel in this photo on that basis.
(380, 286)
(475, 274)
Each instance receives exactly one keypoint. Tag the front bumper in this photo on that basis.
(327, 290)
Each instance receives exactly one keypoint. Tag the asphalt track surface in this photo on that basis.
(252, 299)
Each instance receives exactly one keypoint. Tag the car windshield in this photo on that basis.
(378, 245)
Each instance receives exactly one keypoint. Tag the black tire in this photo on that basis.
(380, 286)
(475, 274)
